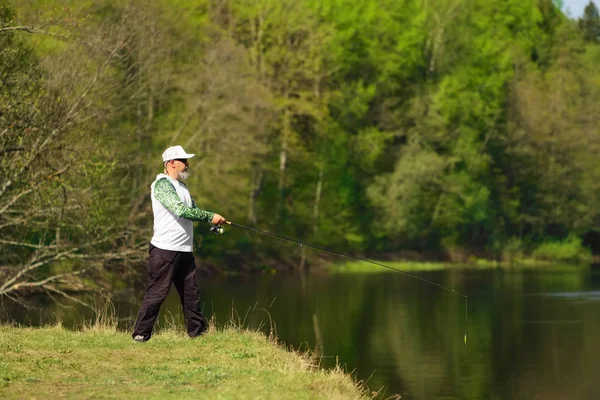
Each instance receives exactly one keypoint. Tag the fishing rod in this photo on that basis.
(218, 230)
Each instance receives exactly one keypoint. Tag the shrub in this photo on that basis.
(570, 249)
(513, 250)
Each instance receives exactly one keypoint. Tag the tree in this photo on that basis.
(552, 141)
(589, 23)
(60, 213)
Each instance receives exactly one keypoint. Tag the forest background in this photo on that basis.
(423, 129)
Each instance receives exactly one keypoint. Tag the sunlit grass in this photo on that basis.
(474, 263)
(101, 362)
(366, 267)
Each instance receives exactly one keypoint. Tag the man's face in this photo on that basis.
(181, 167)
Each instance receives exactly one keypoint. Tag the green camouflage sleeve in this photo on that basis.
(168, 197)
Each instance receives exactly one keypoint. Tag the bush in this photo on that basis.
(513, 250)
(570, 249)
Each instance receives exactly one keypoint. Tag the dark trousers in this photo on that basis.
(164, 267)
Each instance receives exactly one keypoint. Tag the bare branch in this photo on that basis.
(25, 244)
(59, 172)
(27, 191)
(73, 109)
(41, 283)
(12, 298)
(9, 285)
(34, 30)
(68, 118)
(11, 150)
(13, 222)
(31, 29)
(64, 294)
(15, 199)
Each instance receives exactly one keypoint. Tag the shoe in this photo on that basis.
(139, 338)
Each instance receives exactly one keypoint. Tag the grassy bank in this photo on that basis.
(406, 266)
(567, 252)
(475, 263)
(53, 362)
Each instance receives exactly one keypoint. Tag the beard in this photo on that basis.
(183, 175)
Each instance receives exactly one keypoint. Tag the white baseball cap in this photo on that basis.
(175, 152)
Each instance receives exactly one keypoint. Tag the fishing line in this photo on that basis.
(337, 253)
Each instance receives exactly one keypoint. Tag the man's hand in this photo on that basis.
(218, 220)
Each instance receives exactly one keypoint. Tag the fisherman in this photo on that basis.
(171, 258)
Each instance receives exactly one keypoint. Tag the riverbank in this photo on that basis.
(53, 362)
(409, 266)
(516, 254)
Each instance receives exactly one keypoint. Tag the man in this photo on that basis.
(171, 258)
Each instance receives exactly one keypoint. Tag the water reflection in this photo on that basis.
(531, 334)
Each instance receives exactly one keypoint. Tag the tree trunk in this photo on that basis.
(317, 202)
(256, 186)
(283, 153)
(318, 335)
(302, 265)
(150, 113)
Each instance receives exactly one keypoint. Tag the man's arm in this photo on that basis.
(165, 192)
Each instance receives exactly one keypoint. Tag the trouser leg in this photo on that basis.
(186, 285)
(160, 274)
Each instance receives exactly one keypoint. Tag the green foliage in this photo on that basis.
(361, 125)
(410, 194)
(570, 249)
(513, 250)
(589, 23)
(6, 14)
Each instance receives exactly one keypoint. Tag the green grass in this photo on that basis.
(528, 263)
(570, 249)
(474, 263)
(365, 267)
(53, 362)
